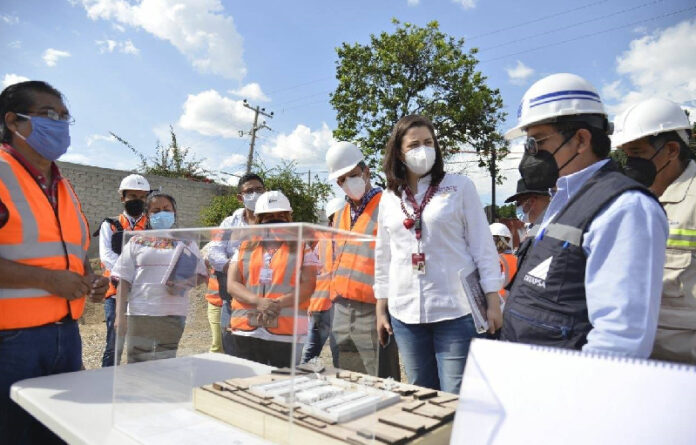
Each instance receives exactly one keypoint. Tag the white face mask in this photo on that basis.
(420, 160)
(521, 215)
(250, 200)
(354, 187)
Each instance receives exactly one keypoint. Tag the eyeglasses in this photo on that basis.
(50, 114)
(531, 145)
(253, 190)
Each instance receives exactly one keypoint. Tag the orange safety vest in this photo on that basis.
(354, 268)
(213, 293)
(508, 266)
(283, 264)
(38, 235)
(320, 301)
(125, 223)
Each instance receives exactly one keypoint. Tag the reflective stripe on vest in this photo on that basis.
(320, 300)
(283, 264)
(354, 273)
(38, 235)
(126, 224)
(682, 239)
(213, 293)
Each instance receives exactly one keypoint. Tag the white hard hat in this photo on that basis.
(134, 182)
(341, 158)
(335, 205)
(561, 94)
(271, 202)
(500, 229)
(649, 118)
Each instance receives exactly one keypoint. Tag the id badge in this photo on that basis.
(418, 263)
(266, 275)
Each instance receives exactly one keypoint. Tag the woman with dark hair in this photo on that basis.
(431, 228)
(156, 273)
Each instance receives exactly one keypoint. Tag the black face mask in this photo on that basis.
(643, 170)
(540, 171)
(134, 207)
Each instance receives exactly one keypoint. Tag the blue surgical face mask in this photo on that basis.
(49, 138)
(162, 220)
(524, 217)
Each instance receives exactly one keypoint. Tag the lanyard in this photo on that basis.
(415, 221)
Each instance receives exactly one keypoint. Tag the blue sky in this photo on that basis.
(135, 67)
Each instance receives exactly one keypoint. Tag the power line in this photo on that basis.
(592, 34)
(540, 19)
(574, 25)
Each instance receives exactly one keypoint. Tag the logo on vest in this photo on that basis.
(537, 276)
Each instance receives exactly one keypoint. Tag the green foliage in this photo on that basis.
(304, 198)
(415, 70)
(171, 161)
(618, 156)
(220, 208)
(506, 211)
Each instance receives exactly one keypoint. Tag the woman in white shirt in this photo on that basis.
(156, 306)
(431, 226)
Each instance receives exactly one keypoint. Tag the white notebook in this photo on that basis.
(523, 394)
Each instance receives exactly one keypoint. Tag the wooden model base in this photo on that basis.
(422, 416)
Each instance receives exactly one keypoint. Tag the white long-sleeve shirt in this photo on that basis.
(106, 253)
(220, 252)
(455, 235)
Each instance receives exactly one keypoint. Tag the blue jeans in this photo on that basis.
(318, 330)
(434, 354)
(33, 352)
(110, 316)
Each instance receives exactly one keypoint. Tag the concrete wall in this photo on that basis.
(97, 189)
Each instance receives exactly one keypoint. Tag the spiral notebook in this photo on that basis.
(523, 394)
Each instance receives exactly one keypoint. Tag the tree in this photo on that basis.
(172, 161)
(304, 198)
(507, 211)
(415, 70)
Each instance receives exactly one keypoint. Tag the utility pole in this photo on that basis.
(257, 110)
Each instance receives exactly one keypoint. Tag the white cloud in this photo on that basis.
(118, 27)
(11, 79)
(106, 46)
(199, 29)
(413, 2)
(612, 91)
(466, 4)
(129, 48)
(657, 64)
(51, 56)
(109, 46)
(212, 114)
(76, 158)
(15, 44)
(251, 91)
(302, 144)
(91, 139)
(9, 19)
(520, 73)
(234, 161)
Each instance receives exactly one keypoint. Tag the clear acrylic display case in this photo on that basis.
(165, 376)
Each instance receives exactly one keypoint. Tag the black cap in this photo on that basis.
(523, 190)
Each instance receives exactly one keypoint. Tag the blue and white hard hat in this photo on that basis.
(561, 94)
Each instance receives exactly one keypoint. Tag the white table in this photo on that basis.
(78, 406)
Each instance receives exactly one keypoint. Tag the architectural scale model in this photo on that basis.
(331, 408)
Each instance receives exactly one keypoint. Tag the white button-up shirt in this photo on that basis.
(455, 235)
(106, 252)
(219, 252)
